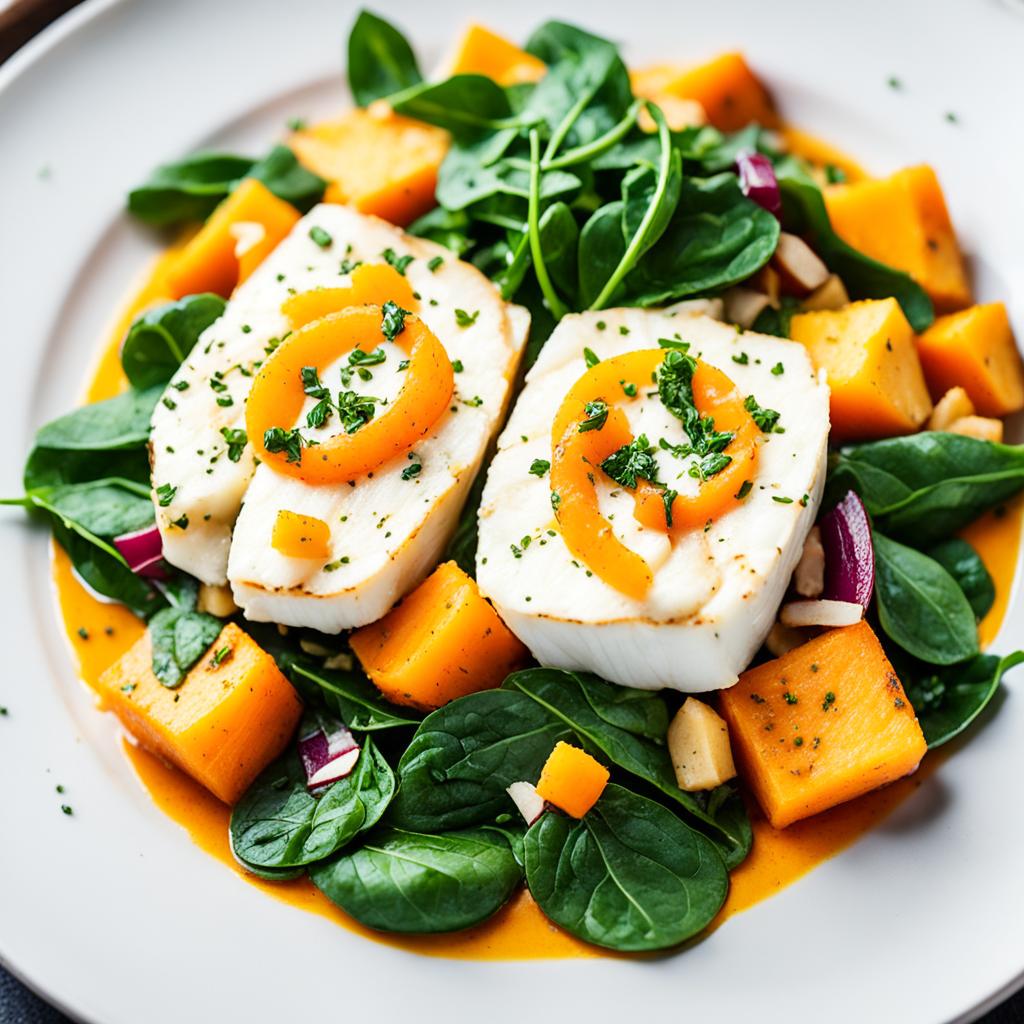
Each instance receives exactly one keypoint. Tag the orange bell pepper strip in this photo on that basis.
(577, 456)
(277, 395)
(373, 284)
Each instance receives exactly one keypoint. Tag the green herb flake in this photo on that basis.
(778, 369)
(464, 319)
(590, 357)
(236, 441)
(398, 262)
(539, 467)
(321, 237)
(596, 413)
(435, 263)
(165, 494)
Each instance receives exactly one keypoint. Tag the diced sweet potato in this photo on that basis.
(821, 725)
(698, 743)
(982, 428)
(233, 714)
(975, 350)
(235, 239)
(376, 161)
(572, 780)
(483, 52)
(730, 93)
(867, 348)
(903, 221)
(299, 536)
(443, 641)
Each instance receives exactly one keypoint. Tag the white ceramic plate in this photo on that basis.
(113, 913)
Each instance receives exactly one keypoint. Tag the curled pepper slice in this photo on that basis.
(577, 456)
(277, 396)
(373, 284)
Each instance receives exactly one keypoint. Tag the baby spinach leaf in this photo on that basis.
(589, 709)
(716, 238)
(107, 508)
(282, 173)
(380, 60)
(55, 467)
(465, 105)
(602, 247)
(464, 755)
(187, 190)
(947, 700)
(159, 340)
(102, 569)
(119, 422)
(180, 638)
(278, 823)
(805, 214)
(629, 875)
(400, 881)
(964, 564)
(356, 700)
(190, 189)
(924, 487)
(920, 605)
(449, 228)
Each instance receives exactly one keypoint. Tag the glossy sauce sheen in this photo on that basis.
(519, 930)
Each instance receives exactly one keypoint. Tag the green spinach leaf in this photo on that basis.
(465, 105)
(920, 606)
(278, 823)
(400, 881)
(629, 875)
(180, 638)
(964, 564)
(924, 487)
(159, 340)
(380, 60)
(355, 700)
(947, 700)
(119, 422)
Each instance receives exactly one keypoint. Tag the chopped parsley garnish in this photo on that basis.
(742, 359)
(181, 522)
(632, 462)
(277, 439)
(394, 320)
(355, 410)
(668, 496)
(396, 261)
(236, 441)
(830, 699)
(457, 366)
(319, 414)
(225, 401)
(539, 467)
(670, 343)
(766, 419)
(596, 413)
(413, 469)
(165, 494)
(311, 383)
(590, 357)
(434, 264)
(790, 698)
(778, 369)
(296, 124)
(404, 364)
(781, 500)
(321, 237)
(170, 403)
(347, 266)
(628, 388)
(464, 319)
(745, 488)
(217, 384)
(220, 656)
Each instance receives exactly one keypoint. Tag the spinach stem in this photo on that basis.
(567, 122)
(555, 304)
(629, 257)
(581, 154)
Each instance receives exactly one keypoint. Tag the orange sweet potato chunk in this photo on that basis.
(223, 725)
(825, 723)
(730, 93)
(975, 350)
(443, 641)
(483, 52)
(874, 373)
(903, 221)
(233, 242)
(572, 780)
(376, 161)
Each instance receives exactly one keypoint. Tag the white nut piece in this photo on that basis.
(831, 614)
(798, 264)
(809, 575)
(954, 405)
(216, 600)
(744, 305)
(698, 743)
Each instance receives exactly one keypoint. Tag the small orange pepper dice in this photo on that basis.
(299, 536)
(572, 780)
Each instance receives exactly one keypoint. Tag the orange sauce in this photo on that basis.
(99, 633)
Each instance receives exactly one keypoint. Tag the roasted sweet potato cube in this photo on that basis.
(376, 161)
(903, 221)
(975, 350)
(483, 52)
(232, 715)
(825, 723)
(443, 641)
(874, 373)
(572, 780)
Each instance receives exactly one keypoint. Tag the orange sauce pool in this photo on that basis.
(99, 633)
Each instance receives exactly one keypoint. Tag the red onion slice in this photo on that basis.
(758, 181)
(849, 553)
(143, 551)
(327, 749)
